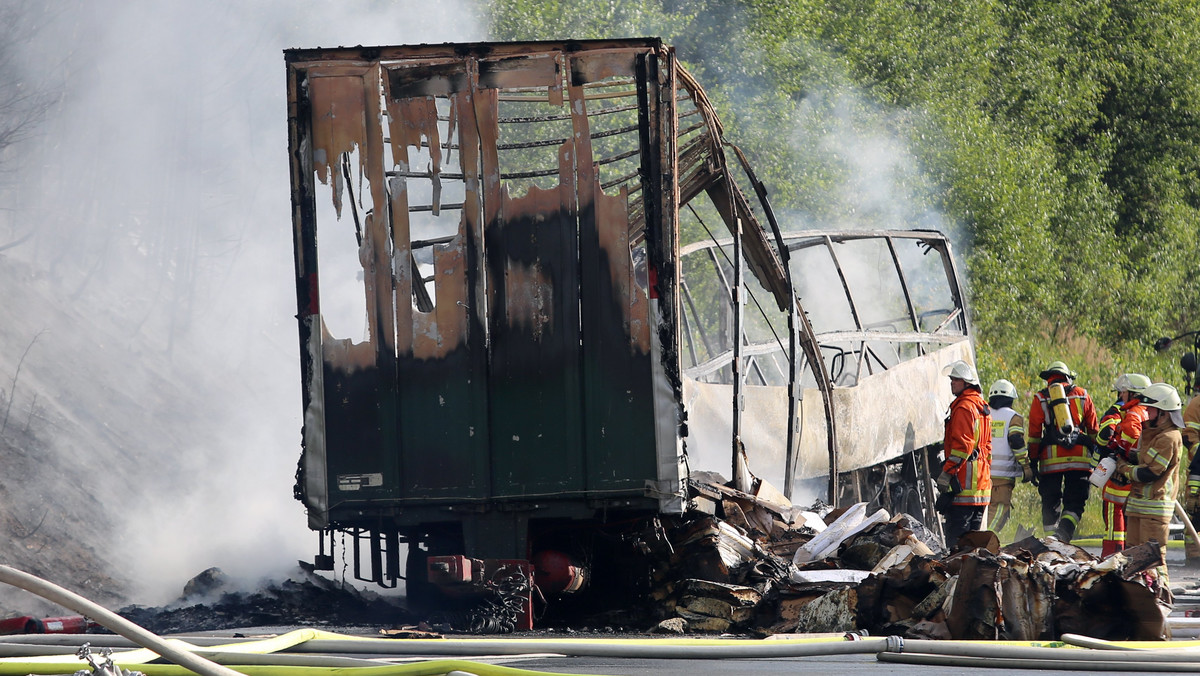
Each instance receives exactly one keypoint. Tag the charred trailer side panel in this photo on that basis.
(496, 368)
(485, 246)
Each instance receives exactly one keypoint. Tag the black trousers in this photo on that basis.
(959, 520)
(1063, 492)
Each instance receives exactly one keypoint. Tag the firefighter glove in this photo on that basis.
(943, 482)
(1026, 473)
(948, 483)
(943, 503)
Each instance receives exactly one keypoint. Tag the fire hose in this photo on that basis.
(112, 621)
(888, 649)
(199, 665)
(1188, 526)
(1110, 657)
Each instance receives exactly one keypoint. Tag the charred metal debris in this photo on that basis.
(760, 568)
(753, 566)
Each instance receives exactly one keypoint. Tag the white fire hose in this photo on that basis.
(1188, 526)
(998, 656)
(113, 622)
(888, 649)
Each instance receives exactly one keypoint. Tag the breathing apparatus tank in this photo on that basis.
(1059, 412)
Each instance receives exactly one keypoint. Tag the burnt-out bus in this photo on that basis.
(538, 290)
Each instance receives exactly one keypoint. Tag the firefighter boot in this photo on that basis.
(1050, 518)
(1066, 526)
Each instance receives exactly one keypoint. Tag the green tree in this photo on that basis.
(1059, 139)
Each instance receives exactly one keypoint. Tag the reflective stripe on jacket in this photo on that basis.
(1053, 458)
(1115, 491)
(1126, 433)
(968, 447)
(1129, 430)
(1191, 422)
(1005, 462)
(1110, 419)
(1160, 450)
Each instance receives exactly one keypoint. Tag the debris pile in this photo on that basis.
(753, 566)
(304, 599)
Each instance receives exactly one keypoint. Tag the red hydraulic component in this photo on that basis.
(556, 573)
(20, 625)
(74, 624)
(459, 576)
(26, 624)
(451, 572)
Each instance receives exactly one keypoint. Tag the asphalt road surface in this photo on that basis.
(837, 664)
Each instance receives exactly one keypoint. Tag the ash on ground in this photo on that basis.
(303, 599)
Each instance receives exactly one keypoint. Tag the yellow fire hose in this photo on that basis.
(260, 658)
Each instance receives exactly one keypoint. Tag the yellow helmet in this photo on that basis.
(1056, 368)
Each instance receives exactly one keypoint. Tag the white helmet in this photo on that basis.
(1131, 382)
(1003, 388)
(1162, 396)
(963, 371)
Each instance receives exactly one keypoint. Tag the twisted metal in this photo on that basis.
(501, 607)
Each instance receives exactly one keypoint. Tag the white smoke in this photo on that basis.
(158, 197)
(876, 180)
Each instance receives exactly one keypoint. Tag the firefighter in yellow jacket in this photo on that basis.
(965, 482)
(1152, 477)
(1191, 438)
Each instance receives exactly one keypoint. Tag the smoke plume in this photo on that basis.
(149, 215)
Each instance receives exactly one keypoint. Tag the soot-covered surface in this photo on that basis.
(303, 599)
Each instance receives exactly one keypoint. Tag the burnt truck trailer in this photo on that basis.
(538, 291)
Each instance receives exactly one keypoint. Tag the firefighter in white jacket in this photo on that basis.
(1010, 458)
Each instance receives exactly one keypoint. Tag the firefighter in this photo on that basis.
(1191, 436)
(1010, 458)
(1120, 429)
(965, 482)
(1062, 428)
(1152, 474)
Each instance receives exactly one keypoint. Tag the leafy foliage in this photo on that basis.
(1060, 141)
(1057, 140)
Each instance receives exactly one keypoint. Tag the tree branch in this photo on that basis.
(17, 374)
